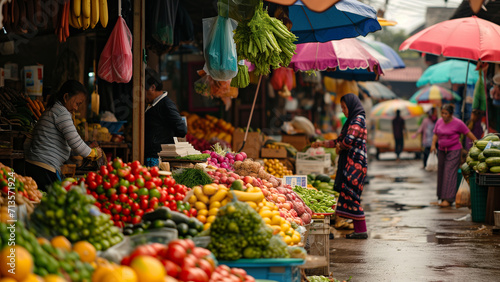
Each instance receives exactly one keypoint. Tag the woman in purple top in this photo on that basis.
(448, 130)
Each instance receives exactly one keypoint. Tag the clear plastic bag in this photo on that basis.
(432, 162)
(202, 86)
(162, 20)
(462, 199)
(219, 48)
(115, 63)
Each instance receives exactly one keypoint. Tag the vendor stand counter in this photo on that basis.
(113, 146)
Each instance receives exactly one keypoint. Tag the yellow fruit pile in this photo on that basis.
(209, 127)
(276, 168)
(207, 200)
(271, 216)
(87, 13)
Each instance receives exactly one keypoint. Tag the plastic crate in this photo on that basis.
(322, 160)
(202, 241)
(488, 179)
(113, 127)
(160, 235)
(302, 169)
(281, 270)
(478, 197)
(319, 245)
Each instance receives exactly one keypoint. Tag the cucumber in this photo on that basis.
(490, 137)
(323, 178)
(468, 159)
(481, 157)
(479, 145)
(493, 161)
(162, 213)
(473, 164)
(465, 169)
(491, 153)
(183, 229)
(495, 169)
(178, 218)
(475, 151)
(482, 167)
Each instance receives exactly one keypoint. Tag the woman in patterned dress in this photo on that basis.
(352, 164)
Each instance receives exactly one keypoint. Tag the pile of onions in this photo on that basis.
(226, 161)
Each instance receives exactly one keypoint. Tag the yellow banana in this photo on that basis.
(76, 7)
(94, 16)
(78, 22)
(103, 12)
(85, 22)
(86, 9)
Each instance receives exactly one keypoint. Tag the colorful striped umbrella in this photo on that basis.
(387, 109)
(434, 94)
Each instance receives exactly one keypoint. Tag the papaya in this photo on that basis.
(465, 169)
(475, 150)
(482, 167)
(493, 161)
(491, 153)
(481, 157)
(490, 137)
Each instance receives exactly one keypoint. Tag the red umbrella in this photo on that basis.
(466, 38)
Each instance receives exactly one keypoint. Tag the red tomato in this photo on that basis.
(123, 198)
(106, 185)
(146, 174)
(116, 209)
(126, 211)
(176, 253)
(169, 182)
(116, 217)
(190, 261)
(133, 196)
(90, 176)
(132, 189)
(193, 274)
(136, 219)
(103, 170)
(200, 252)
(144, 250)
(163, 196)
(153, 203)
(144, 204)
(134, 206)
(113, 197)
(139, 181)
(125, 261)
(179, 197)
(170, 197)
(135, 165)
(193, 212)
(171, 268)
(123, 190)
(130, 178)
(150, 185)
(157, 181)
(241, 273)
(150, 210)
(98, 179)
(171, 190)
(92, 184)
(206, 266)
(154, 171)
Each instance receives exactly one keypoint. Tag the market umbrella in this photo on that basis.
(345, 19)
(386, 51)
(386, 22)
(314, 5)
(377, 90)
(465, 38)
(434, 94)
(454, 71)
(341, 54)
(387, 109)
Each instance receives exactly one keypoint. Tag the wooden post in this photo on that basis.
(138, 92)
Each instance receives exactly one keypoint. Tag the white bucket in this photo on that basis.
(497, 218)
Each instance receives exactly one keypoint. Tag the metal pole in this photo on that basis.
(464, 98)
(486, 100)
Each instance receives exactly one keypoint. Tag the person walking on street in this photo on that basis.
(398, 129)
(427, 131)
(447, 131)
(352, 164)
(163, 120)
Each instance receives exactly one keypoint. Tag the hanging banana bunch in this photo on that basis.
(87, 13)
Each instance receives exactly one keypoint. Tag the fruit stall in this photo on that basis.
(482, 169)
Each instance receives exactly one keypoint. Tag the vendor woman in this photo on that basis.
(55, 136)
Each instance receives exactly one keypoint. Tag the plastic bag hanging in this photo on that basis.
(115, 63)
(219, 48)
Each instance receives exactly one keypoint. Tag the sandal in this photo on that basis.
(354, 235)
(444, 204)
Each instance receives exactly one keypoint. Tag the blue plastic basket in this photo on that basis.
(281, 270)
(113, 127)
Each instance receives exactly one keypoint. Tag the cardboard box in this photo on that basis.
(11, 71)
(280, 153)
(33, 80)
(298, 141)
(252, 145)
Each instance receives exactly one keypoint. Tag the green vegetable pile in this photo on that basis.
(192, 177)
(264, 41)
(242, 79)
(238, 230)
(197, 157)
(323, 183)
(317, 201)
(324, 279)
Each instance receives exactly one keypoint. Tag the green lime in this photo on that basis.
(98, 246)
(105, 244)
(49, 214)
(74, 237)
(79, 222)
(64, 232)
(74, 276)
(71, 226)
(42, 272)
(60, 213)
(85, 233)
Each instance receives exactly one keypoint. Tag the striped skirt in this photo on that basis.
(448, 163)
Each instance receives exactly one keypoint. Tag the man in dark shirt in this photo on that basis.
(398, 129)
(163, 121)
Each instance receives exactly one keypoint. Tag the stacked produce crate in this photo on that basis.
(318, 243)
(318, 164)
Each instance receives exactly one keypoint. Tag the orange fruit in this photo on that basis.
(54, 278)
(21, 260)
(8, 279)
(102, 270)
(61, 242)
(42, 240)
(121, 274)
(148, 269)
(86, 251)
(33, 278)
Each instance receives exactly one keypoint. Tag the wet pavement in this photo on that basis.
(409, 239)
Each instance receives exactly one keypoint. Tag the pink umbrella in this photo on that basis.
(342, 54)
(466, 38)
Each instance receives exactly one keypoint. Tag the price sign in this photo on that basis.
(296, 180)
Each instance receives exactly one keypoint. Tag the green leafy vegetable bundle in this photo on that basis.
(264, 41)
(192, 177)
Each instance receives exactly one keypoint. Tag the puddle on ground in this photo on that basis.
(383, 191)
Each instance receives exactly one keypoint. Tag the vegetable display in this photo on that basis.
(238, 231)
(264, 41)
(322, 182)
(318, 201)
(192, 177)
(23, 185)
(197, 157)
(72, 214)
(482, 159)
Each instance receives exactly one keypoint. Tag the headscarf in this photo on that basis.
(355, 108)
